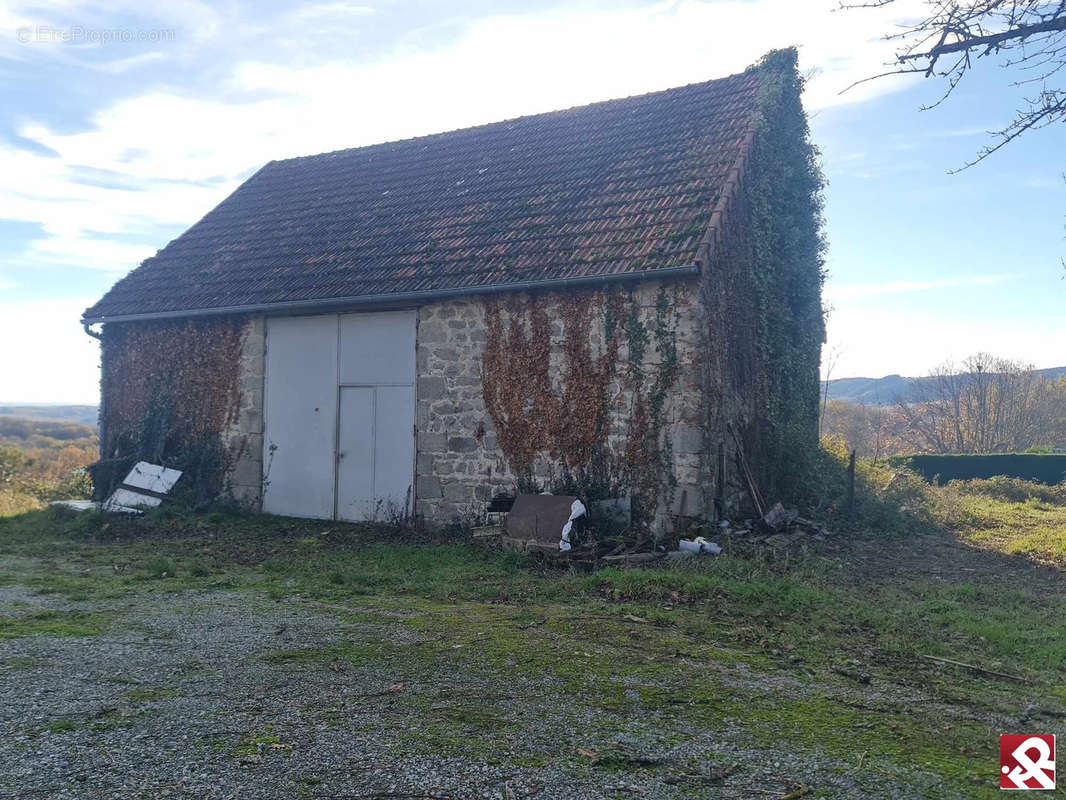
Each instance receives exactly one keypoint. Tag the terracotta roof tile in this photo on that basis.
(605, 189)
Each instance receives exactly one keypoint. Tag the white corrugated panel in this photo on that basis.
(300, 412)
(340, 395)
(377, 349)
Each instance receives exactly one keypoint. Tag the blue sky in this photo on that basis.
(121, 126)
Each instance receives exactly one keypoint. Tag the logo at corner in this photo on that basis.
(1027, 761)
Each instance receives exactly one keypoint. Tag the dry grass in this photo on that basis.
(13, 502)
(1034, 527)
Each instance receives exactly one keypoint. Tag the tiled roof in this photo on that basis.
(605, 189)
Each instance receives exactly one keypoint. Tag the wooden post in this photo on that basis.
(851, 483)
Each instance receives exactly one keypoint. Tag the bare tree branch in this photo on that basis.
(1028, 35)
(989, 43)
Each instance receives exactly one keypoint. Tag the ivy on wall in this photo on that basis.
(169, 391)
(782, 193)
(760, 349)
(649, 455)
(568, 421)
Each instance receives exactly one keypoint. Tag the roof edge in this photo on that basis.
(390, 299)
(716, 227)
(522, 117)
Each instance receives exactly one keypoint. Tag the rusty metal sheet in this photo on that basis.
(539, 517)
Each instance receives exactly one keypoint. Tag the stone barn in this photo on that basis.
(618, 299)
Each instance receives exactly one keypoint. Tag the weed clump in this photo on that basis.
(887, 499)
(160, 567)
(1011, 490)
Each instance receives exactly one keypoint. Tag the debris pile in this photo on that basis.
(698, 545)
(777, 526)
(560, 527)
(146, 486)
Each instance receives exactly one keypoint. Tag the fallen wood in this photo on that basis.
(975, 668)
(745, 471)
(633, 558)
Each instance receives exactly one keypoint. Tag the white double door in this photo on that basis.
(339, 415)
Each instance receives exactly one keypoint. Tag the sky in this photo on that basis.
(122, 123)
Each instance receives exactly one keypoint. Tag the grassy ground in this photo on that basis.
(820, 653)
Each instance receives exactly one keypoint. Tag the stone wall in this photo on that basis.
(243, 438)
(186, 393)
(460, 464)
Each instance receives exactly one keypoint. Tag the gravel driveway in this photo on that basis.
(232, 695)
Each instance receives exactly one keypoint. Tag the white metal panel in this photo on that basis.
(152, 477)
(377, 349)
(300, 409)
(355, 454)
(394, 447)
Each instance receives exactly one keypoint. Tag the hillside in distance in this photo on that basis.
(79, 415)
(891, 389)
(25, 433)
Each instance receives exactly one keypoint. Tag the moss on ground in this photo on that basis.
(791, 654)
(54, 623)
(151, 694)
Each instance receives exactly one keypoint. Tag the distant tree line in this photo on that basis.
(986, 404)
(42, 460)
(24, 432)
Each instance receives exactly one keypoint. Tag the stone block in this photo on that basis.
(248, 497)
(432, 388)
(427, 487)
(688, 439)
(252, 347)
(432, 442)
(251, 421)
(248, 471)
(455, 492)
(423, 414)
(432, 333)
(462, 444)
(686, 501)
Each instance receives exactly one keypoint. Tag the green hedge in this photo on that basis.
(1047, 468)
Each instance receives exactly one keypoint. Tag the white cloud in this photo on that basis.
(176, 152)
(46, 357)
(498, 67)
(873, 342)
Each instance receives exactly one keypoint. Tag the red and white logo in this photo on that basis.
(1027, 761)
